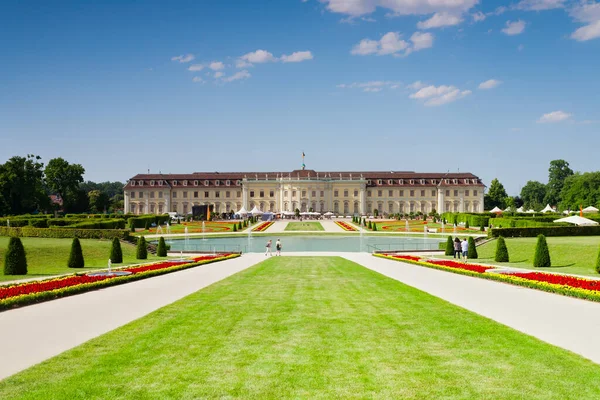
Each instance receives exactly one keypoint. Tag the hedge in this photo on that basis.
(473, 219)
(140, 222)
(95, 224)
(62, 233)
(547, 231)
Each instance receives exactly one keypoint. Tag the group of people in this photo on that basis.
(461, 248)
(277, 248)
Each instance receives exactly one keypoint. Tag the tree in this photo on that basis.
(63, 179)
(557, 173)
(15, 260)
(449, 247)
(376, 213)
(533, 195)
(495, 196)
(116, 254)
(98, 201)
(76, 255)
(501, 251)
(161, 251)
(581, 190)
(22, 187)
(472, 249)
(541, 258)
(142, 250)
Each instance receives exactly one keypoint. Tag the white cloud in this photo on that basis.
(478, 16)
(242, 64)
(184, 58)
(216, 65)
(489, 84)
(297, 56)
(438, 95)
(371, 86)
(197, 79)
(416, 85)
(219, 74)
(238, 75)
(514, 28)
(391, 43)
(399, 7)
(554, 116)
(587, 13)
(196, 67)
(539, 5)
(258, 57)
(372, 89)
(439, 20)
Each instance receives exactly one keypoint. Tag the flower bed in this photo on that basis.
(554, 283)
(36, 291)
(345, 226)
(262, 227)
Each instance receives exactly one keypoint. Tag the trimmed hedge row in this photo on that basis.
(547, 231)
(140, 222)
(473, 219)
(33, 298)
(62, 233)
(95, 224)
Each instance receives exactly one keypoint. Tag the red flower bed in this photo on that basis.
(459, 265)
(404, 257)
(262, 227)
(564, 280)
(345, 226)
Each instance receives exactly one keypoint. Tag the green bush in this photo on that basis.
(598, 262)
(235, 227)
(541, 259)
(501, 251)
(15, 260)
(369, 225)
(467, 225)
(116, 254)
(472, 249)
(547, 231)
(76, 255)
(161, 251)
(142, 250)
(374, 226)
(147, 225)
(62, 233)
(481, 228)
(132, 228)
(449, 247)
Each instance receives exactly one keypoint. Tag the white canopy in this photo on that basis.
(508, 209)
(328, 214)
(256, 211)
(548, 209)
(577, 220)
(242, 211)
(590, 209)
(288, 213)
(530, 211)
(520, 210)
(495, 210)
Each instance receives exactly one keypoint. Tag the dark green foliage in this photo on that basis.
(64, 233)
(240, 227)
(501, 251)
(147, 225)
(76, 256)
(598, 262)
(15, 261)
(467, 225)
(449, 247)
(142, 250)
(592, 230)
(369, 225)
(472, 249)
(131, 228)
(161, 251)
(481, 228)
(374, 226)
(541, 259)
(235, 227)
(116, 254)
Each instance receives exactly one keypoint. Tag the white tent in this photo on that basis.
(590, 209)
(520, 210)
(548, 209)
(256, 211)
(495, 210)
(242, 211)
(577, 220)
(530, 211)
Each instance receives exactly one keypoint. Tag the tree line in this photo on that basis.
(26, 185)
(566, 190)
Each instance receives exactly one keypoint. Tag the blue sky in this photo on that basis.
(495, 88)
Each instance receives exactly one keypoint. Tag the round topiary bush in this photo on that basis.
(15, 260)
(161, 251)
(142, 250)
(76, 256)
(116, 254)
(541, 259)
(472, 249)
(501, 251)
(449, 247)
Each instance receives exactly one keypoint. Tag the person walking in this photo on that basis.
(268, 248)
(278, 247)
(457, 248)
(465, 249)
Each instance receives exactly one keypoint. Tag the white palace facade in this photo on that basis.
(340, 192)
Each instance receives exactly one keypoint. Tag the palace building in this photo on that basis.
(340, 192)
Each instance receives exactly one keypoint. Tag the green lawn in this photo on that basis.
(571, 254)
(304, 226)
(49, 256)
(319, 328)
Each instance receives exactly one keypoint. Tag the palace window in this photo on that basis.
(433, 193)
(227, 182)
(322, 193)
(356, 193)
(160, 195)
(206, 195)
(151, 183)
(174, 183)
(433, 181)
(228, 194)
(217, 182)
(335, 193)
(422, 193)
(195, 183)
(379, 182)
(238, 182)
(447, 193)
(262, 193)
(293, 193)
(184, 183)
(390, 193)
(314, 194)
(217, 194)
(422, 181)
(412, 181)
(151, 195)
(285, 193)
(252, 193)
(412, 193)
(455, 181)
(160, 208)
(379, 193)
(474, 192)
(195, 195)
(345, 193)
(271, 193)
(304, 193)
(455, 193)
(152, 208)
(174, 195)
(368, 193)
(401, 181)
(132, 195)
(402, 193)
(132, 183)
(141, 195)
(206, 182)
(238, 194)
(185, 208)
(467, 181)
(368, 181)
(390, 181)
(474, 181)
(141, 183)
(466, 193)
(185, 195)
(447, 181)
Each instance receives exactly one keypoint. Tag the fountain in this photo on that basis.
(168, 229)
(110, 272)
(443, 227)
(249, 232)
(407, 227)
(203, 231)
(186, 238)
(159, 230)
(8, 223)
(454, 230)
(361, 231)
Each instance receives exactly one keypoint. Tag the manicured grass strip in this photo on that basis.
(310, 328)
(304, 226)
(46, 257)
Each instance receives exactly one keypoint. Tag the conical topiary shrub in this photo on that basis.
(467, 226)
(501, 251)
(374, 227)
(472, 249)
(161, 251)
(235, 227)
(116, 254)
(369, 225)
(541, 259)
(449, 247)
(15, 260)
(142, 250)
(147, 226)
(76, 256)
